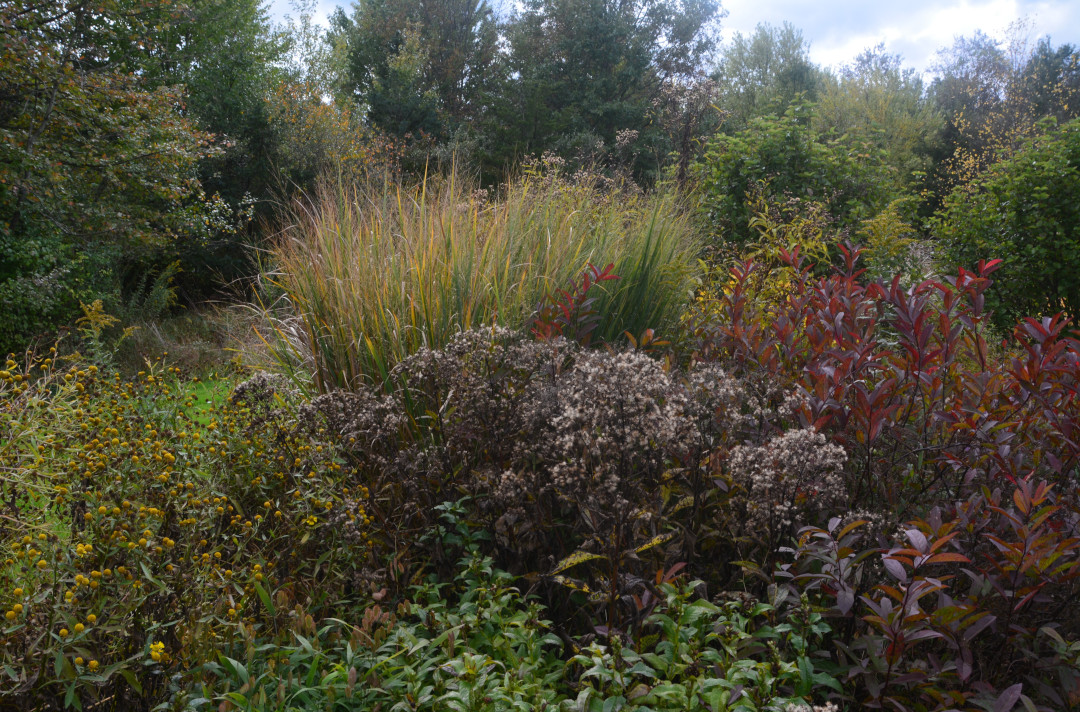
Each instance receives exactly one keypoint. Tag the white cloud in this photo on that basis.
(280, 9)
(840, 29)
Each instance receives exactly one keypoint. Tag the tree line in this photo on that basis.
(143, 141)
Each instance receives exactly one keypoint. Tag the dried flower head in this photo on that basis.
(788, 478)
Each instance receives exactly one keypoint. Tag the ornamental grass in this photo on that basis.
(368, 274)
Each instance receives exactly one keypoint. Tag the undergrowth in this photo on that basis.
(840, 494)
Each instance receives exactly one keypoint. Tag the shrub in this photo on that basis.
(583, 466)
(150, 529)
(473, 644)
(478, 644)
(903, 379)
(934, 427)
(1024, 211)
(98, 164)
(370, 274)
(846, 180)
(990, 635)
(587, 469)
(931, 482)
(534, 432)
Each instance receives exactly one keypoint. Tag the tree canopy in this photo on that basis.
(96, 156)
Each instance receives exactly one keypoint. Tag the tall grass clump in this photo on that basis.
(368, 274)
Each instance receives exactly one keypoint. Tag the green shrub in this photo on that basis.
(847, 180)
(1024, 211)
(478, 645)
(154, 523)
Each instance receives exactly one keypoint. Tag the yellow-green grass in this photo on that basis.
(369, 274)
(204, 395)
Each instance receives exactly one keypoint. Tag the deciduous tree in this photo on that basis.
(764, 72)
(994, 93)
(877, 99)
(94, 162)
(585, 70)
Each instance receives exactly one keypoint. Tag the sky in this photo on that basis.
(838, 30)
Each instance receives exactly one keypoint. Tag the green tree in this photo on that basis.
(786, 159)
(318, 128)
(231, 58)
(228, 58)
(764, 73)
(96, 162)
(994, 94)
(1051, 80)
(1025, 210)
(583, 71)
(417, 66)
(877, 100)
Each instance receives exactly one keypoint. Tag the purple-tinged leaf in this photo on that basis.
(845, 600)
(895, 568)
(918, 540)
(1007, 700)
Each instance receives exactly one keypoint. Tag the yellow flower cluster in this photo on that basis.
(155, 485)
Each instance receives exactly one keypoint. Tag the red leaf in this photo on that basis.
(918, 540)
(948, 558)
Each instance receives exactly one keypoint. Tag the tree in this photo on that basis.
(686, 112)
(317, 127)
(1051, 80)
(764, 73)
(229, 59)
(1025, 210)
(875, 99)
(582, 71)
(787, 159)
(995, 93)
(417, 66)
(95, 162)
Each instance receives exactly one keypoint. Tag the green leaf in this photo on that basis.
(150, 577)
(683, 503)
(829, 681)
(71, 699)
(806, 677)
(640, 668)
(238, 699)
(131, 679)
(614, 703)
(1050, 632)
(236, 668)
(265, 598)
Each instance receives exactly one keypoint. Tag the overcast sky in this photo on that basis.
(839, 29)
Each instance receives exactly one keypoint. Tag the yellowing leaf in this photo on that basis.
(571, 583)
(578, 557)
(655, 541)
